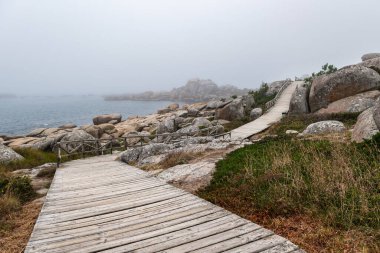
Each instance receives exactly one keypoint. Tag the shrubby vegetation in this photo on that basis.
(326, 69)
(334, 183)
(261, 97)
(17, 190)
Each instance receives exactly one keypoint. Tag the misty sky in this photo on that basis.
(122, 46)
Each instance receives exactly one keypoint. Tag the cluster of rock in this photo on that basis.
(157, 152)
(191, 119)
(351, 89)
(194, 90)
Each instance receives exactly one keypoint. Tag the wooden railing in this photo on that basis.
(271, 103)
(107, 146)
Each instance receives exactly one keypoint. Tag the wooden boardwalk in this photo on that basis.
(99, 204)
(272, 116)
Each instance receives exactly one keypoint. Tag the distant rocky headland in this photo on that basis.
(4, 95)
(195, 90)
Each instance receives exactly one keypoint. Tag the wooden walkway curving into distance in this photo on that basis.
(272, 116)
(102, 205)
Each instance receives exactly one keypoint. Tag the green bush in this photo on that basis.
(260, 96)
(21, 188)
(32, 158)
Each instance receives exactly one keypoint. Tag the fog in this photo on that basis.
(119, 46)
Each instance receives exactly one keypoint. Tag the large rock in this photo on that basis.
(7, 154)
(75, 138)
(345, 82)
(376, 113)
(365, 126)
(356, 103)
(232, 111)
(134, 155)
(167, 126)
(370, 56)
(256, 113)
(107, 128)
(106, 118)
(299, 101)
(93, 130)
(201, 123)
(325, 127)
(191, 177)
(372, 64)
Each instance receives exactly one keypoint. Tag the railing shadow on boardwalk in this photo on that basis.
(96, 147)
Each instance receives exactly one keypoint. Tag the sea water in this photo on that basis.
(20, 115)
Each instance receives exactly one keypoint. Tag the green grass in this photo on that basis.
(300, 122)
(235, 124)
(32, 158)
(336, 182)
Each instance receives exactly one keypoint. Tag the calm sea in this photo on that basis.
(21, 115)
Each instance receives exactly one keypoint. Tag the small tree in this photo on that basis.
(326, 70)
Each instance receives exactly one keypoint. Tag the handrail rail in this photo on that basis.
(100, 146)
(271, 103)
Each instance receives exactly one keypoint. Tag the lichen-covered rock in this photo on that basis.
(299, 101)
(7, 154)
(232, 111)
(325, 127)
(190, 176)
(370, 56)
(256, 113)
(376, 113)
(372, 63)
(357, 103)
(365, 126)
(201, 122)
(107, 128)
(167, 126)
(106, 118)
(345, 82)
(75, 138)
(93, 130)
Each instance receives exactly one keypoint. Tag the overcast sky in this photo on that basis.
(122, 46)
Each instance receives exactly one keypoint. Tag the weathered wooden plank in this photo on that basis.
(131, 235)
(215, 239)
(135, 212)
(259, 245)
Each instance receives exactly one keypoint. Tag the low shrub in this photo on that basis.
(20, 188)
(32, 158)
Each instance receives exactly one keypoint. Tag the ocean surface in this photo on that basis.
(20, 115)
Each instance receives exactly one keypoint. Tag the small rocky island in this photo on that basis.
(195, 90)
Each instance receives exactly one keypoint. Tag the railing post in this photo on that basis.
(82, 143)
(125, 143)
(59, 155)
(111, 145)
(97, 145)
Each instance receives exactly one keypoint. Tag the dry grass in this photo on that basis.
(20, 225)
